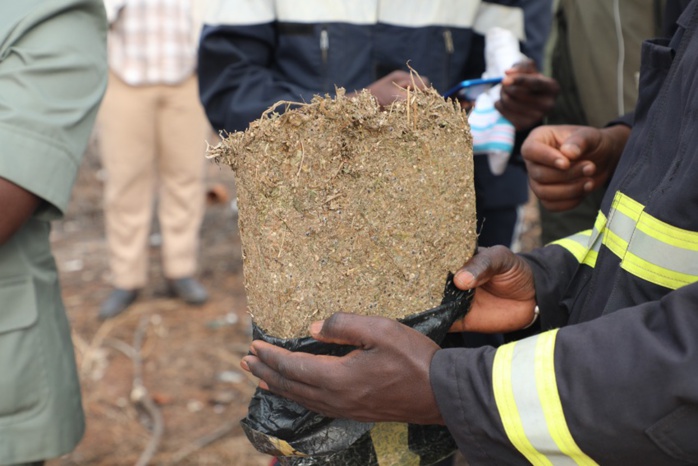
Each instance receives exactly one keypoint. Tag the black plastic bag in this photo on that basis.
(299, 437)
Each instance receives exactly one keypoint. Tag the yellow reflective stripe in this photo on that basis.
(590, 258)
(574, 245)
(506, 404)
(525, 391)
(656, 274)
(596, 240)
(585, 245)
(550, 399)
(391, 444)
(668, 234)
(627, 206)
(649, 248)
(600, 222)
(615, 243)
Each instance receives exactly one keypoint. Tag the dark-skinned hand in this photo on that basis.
(527, 95)
(505, 296)
(393, 86)
(385, 379)
(566, 162)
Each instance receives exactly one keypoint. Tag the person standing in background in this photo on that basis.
(254, 53)
(152, 133)
(595, 57)
(53, 73)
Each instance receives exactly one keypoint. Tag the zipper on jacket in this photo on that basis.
(324, 52)
(448, 43)
(324, 45)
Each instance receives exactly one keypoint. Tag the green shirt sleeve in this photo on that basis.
(53, 73)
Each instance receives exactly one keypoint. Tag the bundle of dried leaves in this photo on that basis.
(347, 207)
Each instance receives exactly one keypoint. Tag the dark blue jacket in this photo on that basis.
(258, 52)
(613, 379)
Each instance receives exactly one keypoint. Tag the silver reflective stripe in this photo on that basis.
(525, 391)
(664, 255)
(649, 248)
(529, 403)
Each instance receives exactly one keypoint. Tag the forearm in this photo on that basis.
(597, 402)
(18, 205)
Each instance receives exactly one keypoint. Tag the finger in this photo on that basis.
(534, 85)
(271, 380)
(352, 329)
(284, 369)
(540, 152)
(580, 143)
(524, 103)
(520, 114)
(550, 176)
(483, 266)
(563, 193)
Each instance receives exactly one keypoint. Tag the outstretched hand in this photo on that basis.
(567, 162)
(505, 297)
(527, 95)
(385, 379)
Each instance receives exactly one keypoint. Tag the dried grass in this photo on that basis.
(347, 207)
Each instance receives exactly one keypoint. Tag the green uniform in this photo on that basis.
(52, 78)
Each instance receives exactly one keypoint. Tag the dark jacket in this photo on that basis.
(258, 53)
(613, 379)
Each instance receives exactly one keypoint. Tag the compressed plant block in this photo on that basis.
(344, 206)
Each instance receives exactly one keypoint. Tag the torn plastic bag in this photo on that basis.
(299, 437)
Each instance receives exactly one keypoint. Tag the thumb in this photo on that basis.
(580, 143)
(345, 329)
(485, 264)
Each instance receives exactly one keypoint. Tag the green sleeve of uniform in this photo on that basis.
(53, 74)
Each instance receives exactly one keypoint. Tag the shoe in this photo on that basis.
(117, 302)
(188, 290)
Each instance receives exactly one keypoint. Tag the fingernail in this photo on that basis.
(561, 164)
(571, 149)
(253, 350)
(588, 186)
(316, 327)
(465, 279)
(588, 169)
(263, 385)
(244, 365)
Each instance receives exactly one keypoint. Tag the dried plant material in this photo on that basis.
(346, 207)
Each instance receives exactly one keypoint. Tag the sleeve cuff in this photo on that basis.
(40, 166)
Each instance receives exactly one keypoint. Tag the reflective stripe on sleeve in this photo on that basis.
(585, 245)
(648, 248)
(525, 391)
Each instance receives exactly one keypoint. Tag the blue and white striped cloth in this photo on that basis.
(493, 135)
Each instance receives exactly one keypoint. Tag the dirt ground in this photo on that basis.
(186, 357)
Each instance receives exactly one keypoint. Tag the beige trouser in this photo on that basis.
(152, 139)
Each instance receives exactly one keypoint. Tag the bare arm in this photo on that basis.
(18, 205)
